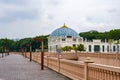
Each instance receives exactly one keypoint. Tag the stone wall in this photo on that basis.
(78, 70)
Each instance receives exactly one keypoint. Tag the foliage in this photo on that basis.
(66, 48)
(76, 48)
(22, 43)
(90, 35)
(112, 34)
(81, 47)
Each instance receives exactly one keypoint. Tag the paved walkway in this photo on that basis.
(16, 67)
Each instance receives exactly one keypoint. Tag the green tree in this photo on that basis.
(81, 47)
(114, 34)
(75, 48)
(66, 48)
(6, 44)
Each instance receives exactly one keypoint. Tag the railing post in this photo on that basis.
(42, 60)
(30, 52)
(59, 57)
(48, 60)
(42, 55)
(87, 61)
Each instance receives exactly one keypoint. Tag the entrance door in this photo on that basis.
(96, 48)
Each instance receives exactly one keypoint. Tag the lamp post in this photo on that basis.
(25, 52)
(30, 46)
(42, 51)
(2, 52)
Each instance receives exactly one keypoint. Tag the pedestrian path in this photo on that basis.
(16, 67)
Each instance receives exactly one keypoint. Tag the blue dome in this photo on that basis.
(64, 31)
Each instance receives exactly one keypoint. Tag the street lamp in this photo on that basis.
(42, 51)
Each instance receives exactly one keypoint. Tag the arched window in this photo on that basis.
(89, 48)
(103, 48)
(114, 49)
(107, 48)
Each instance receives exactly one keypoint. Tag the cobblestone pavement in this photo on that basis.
(16, 67)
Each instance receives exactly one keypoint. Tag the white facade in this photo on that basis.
(56, 42)
(64, 37)
(103, 47)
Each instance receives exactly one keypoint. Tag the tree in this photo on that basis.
(114, 34)
(75, 48)
(6, 44)
(81, 47)
(66, 48)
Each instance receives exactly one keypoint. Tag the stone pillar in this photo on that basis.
(59, 57)
(92, 48)
(101, 48)
(104, 48)
(48, 59)
(87, 61)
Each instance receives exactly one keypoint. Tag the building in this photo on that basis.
(65, 36)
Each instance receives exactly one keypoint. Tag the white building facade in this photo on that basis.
(65, 36)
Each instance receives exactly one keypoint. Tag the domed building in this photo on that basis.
(63, 36)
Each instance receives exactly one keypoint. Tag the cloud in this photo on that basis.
(13, 16)
(22, 18)
(17, 2)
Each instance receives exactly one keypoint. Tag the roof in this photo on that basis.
(64, 31)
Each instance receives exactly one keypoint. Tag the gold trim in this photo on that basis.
(64, 26)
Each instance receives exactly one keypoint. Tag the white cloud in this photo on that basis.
(80, 15)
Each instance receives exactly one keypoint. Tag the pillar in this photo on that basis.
(87, 61)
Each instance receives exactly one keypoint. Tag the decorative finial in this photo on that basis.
(64, 26)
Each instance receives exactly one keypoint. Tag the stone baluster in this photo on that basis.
(87, 61)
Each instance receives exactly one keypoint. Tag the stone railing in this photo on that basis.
(78, 70)
(103, 72)
(112, 59)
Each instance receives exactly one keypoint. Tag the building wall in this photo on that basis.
(96, 45)
(57, 42)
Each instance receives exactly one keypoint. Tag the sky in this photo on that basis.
(30, 18)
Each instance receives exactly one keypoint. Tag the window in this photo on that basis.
(103, 48)
(74, 39)
(89, 48)
(69, 36)
(118, 48)
(97, 48)
(114, 49)
(56, 47)
(108, 48)
(74, 45)
(63, 39)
